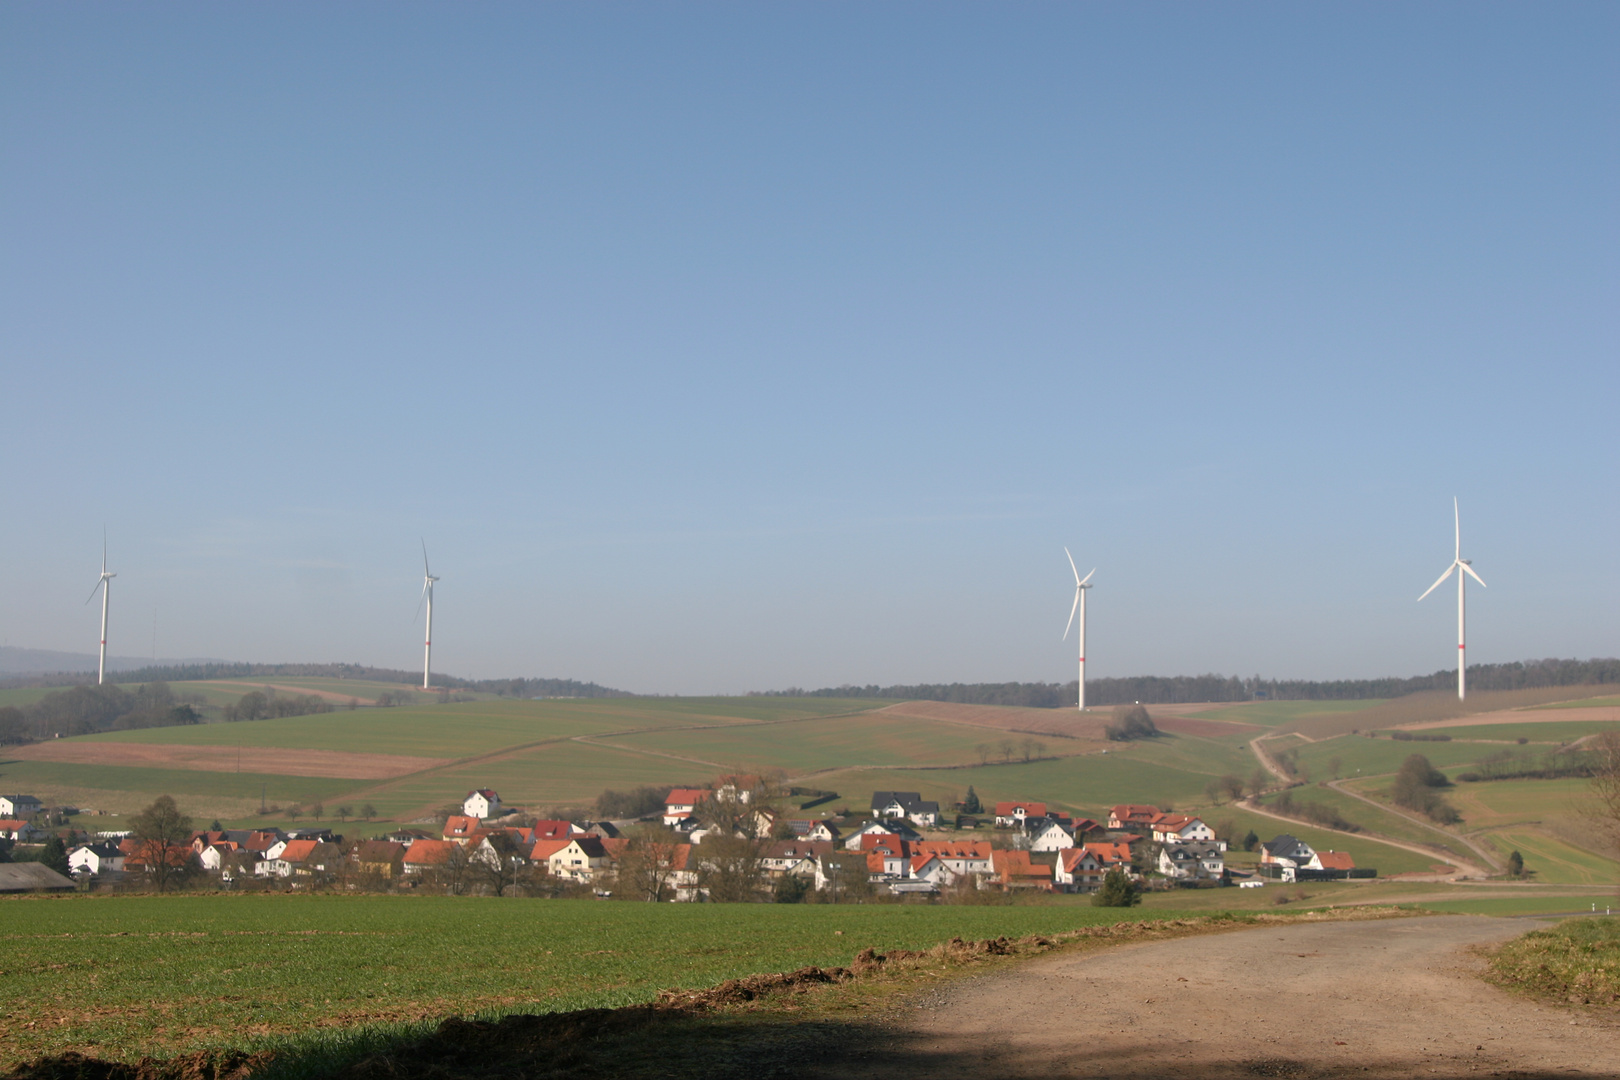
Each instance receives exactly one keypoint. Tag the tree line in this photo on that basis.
(1168, 690)
(84, 710)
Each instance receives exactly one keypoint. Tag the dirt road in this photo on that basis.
(1380, 999)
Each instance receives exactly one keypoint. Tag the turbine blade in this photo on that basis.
(420, 600)
(1443, 577)
(1469, 570)
(1087, 577)
(1073, 567)
(95, 590)
(425, 571)
(1456, 516)
(1072, 610)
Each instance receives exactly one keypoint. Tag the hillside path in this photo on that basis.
(1373, 1000)
(1495, 864)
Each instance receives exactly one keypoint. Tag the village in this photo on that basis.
(727, 841)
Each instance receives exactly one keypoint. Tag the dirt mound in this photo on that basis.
(207, 1065)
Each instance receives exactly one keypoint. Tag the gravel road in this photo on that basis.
(1377, 999)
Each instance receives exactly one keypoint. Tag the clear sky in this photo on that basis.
(716, 347)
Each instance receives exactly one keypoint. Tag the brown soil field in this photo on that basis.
(1598, 714)
(1004, 718)
(332, 763)
(1186, 725)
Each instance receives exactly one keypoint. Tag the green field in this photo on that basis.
(1551, 860)
(1551, 732)
(1360, 755)
(1378, 820)
(1278, 713)
(125, 976)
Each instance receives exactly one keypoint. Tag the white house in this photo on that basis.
(20, 831)
(19, 806)
(960, 857)
(481, 804)
(887, 827)
(1011, 815)
(95, 859)
(1193, 860)
(579, 860)
(1179, 829)
(905, 806)
(1047, 835)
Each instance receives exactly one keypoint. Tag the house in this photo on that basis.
(32, 877)
(380, 858)
(886, 827)
(19, 806)
(292, 855)
(1011, 815)
(682, 803)
(812, 829)
(139, 855)
(554, 830)
(738, 788)
(602, 830)
(1078, 870)
(961, 857)
(481, 804)
(579, 859)
(1179, 828)
(427, 855)
(1013, 870)
(1283, 856)
(905, 806)
(214, 857)
(96, 859)
(1047, 834)
(794, 857)
(1337, 861)
(1132, 816)
(1192, 860)
(464, 829)
(21, 831)
(1081, 827)
(406, 836)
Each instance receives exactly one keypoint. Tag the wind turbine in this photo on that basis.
(1458, 563)
(1080, 587)
(427, 594)
(105, 589)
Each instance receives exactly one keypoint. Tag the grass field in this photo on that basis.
(1551, 860)
(1376, 819)
(1358, 754)
(125, 976)
(1585, 703)
(1278, 713)
(1575, 962)
(1553, 732)
(1367, 853)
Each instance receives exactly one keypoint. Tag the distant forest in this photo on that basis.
(1161, 690)
(520, 688)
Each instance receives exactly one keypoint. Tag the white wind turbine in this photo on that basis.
(427, 595)
(105, 589)
(1080, 587)
(1458, 563)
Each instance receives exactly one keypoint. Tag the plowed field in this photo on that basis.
(331, 763)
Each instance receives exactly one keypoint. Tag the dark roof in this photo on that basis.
(31, 877)
(1285, 846)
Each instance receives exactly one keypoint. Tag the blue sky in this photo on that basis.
(717, 347)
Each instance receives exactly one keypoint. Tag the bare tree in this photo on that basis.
(368, 811)
(1006, 746)
(500, 866)
(647, 868)
(317, 810)
(1027, 745)
(165, 841)
(345, 813)
(1605, 750)
(731, 869)
(457, 871)
(983, 750)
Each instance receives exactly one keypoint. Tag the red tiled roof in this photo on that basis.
(682, 796)
(297, 850)
(1336, 860)
(1031, 809)
(553, 830)
(459, 825)
(430, 852)
(545, 849)
(1110, 854)
(953, 849)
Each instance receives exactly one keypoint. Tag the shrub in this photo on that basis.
(1117, 890)
(1131, 722)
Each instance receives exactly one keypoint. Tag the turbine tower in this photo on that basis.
(105, 589)
(1467, 571)
(1080, 587)
(427, 594)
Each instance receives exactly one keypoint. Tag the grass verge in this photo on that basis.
(1576, 962)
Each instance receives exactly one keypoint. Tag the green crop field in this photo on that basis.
(1278, 713)
(1377, 819)
(1552, 732)
(120, 977)
(1536, 903)
(1358, 754)
(1494, 803)
(1586, 703)
(1551, 860)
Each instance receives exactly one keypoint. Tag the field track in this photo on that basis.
(1372, 1000)
(328, 763)
(1597, 714)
